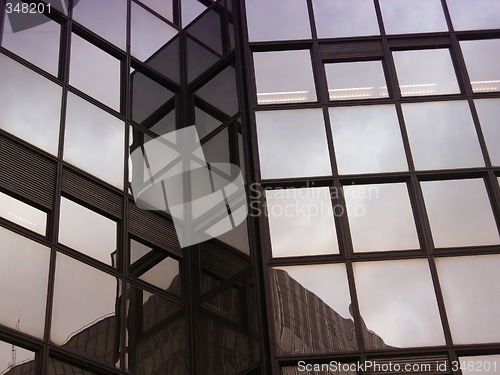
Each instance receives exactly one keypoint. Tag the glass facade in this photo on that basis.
(367, 132)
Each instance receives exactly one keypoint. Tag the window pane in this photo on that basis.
(25, 360)
(221, 92)
(23, 299)
(488, 111)
(39, 45)
(477, 14)
(270, 20)
(58, 368)
(205, 123)
(459, 213)
(87, 231)
(442, 135)
(425, 72)
(94, 141)
(83, 313)
(356, 80)
(417, 16)
(95, 72)
(470, 290)
(488, 363)
(367, 139)
(284, 77)
(482, 58)
(341, 18)
(162, 7)
(380, 217)
(311, 309)
(21, 112)
(397, 302)
(23, 214)
(301, 222)
(292, 143)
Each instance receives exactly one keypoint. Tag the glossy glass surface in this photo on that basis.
(221, 92)
(284, 77)
(162, 7)
(367, 139)
(485, 363)
(479, 14)
(95, 72)
(482, 58)
(106, 18)
(57, 367)
(417, 16)
(270, 20)
(94, 141)
(87, 231)
(341, 18)
(312, 309)
(442, 135)
(216, 150)
(83, 320)
(292, 143)
(460, 213)
(301, 222)
(21, 110)
(425, 72)
(205, 123)
(488, 111)
(23, 299)
(39, 45)
(470, 290)
(23, 214)
(190, 10)
(356, 80)
(397, 302)
(380, 217)
(22, 356)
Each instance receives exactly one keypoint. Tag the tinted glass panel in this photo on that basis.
(21, 111)
(367, 139)
(488, 111)
(470, 290)
(270, 20)
(87, 231)
(24, 360)
(356, 80)
(341, 18)
(486, 363)
(292, 143)
(221, 92)
(284, 77)
(479, 14)
(417, 16)
(380, 217)
(301, 222)
(205, 123)
(459, 213)
(23, 214)
(442, 135)
(23, 299)
(482, 58)
(425, 72)
(94, 140)
(55, 367)
(311, 309)
(162, 7)
(397, 302)
(190, 10)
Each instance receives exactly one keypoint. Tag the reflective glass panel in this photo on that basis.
(94, 140)
(380, 217)
(87, 231)
(55, 367)
(425, 72)
(477, 14)
(301, 222)
(270, 20)
(340, 18)
(284, 77)
(416, 16)
(442, 135)
(190, 10)
(23, 298)
(488, 111)
(482, 58)
(221, 92)
(30, 105)
(356, 80)
(470, 288)
(489, 364)
(205, 123)
(95, 72)
(83, 313)
(397, 302)
(311, 309)
(367, 139)
(39, 45)
(162, 7)
(24, 360)
(23, 214)
(459, 213)
(292, 143)
(200, 58)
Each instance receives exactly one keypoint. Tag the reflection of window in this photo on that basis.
(22, 214)
(482, 58)
(488, 111)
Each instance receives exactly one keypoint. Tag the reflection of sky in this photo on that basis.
(477, 14)
(482, 59)
(6, 355)
(488, 111)
(22, 214)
